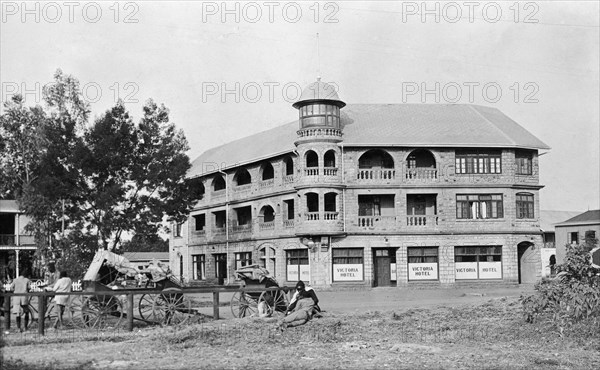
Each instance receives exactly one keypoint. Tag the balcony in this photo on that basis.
(422, 221)
(311, 171)
(376, 222)
(288, 224)
(266, 184)
(236, 229)
(288, 179)
(311, 216)
(376, 174)
(217, 231)
(242, 188)
(266, 226)
(330, 171)
(218, 194)
(421, 174)
(330, 216)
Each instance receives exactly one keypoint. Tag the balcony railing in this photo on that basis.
(218, 231)
(288, 179)
(311, 216)
(421, 174)
(241, 228)
(266, 183)
(328, 216)
(422, 221)
(376, 221)
(218, 194)
(311, 171)
(242, 188)
(200, 232)
(264, 226)
(288, 224)
(7, 239)
(379, 174)
(330, 171)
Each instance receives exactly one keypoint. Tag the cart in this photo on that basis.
(107, 272)
(247, 302)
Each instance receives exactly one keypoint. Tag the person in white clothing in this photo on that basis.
(62, 285)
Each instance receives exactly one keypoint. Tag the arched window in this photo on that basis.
(267, 214)
(312, 202)
(218, 183)
(376, 158)
(267, 171)
(331, 202)
(329, 158)
(312, 159)
(289, 166)
(420, 158)
(242, 177)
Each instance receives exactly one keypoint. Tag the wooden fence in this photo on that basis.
(129, 293)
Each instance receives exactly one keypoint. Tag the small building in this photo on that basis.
(14, 241)
(548, 252)
(575, 231)
(141, 260)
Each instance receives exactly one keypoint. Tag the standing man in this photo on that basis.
(21, 303)
(62, 285)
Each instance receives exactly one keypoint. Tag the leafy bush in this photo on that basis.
(572, 297)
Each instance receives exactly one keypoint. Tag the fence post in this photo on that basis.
(41, 313)
(130, 312)
(7, 313)
(216, 305)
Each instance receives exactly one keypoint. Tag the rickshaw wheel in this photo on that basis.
(146, 307)
(243, 304)
(275, 301)
(171, 307)
(101, 312)
(73, 312)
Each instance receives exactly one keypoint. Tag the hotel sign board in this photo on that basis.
(423, 271)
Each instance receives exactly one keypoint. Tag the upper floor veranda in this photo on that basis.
(327, 165)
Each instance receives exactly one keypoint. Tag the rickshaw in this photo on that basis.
(107, 272)
(248, 302)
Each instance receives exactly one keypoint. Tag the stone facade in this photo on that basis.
(348, 215)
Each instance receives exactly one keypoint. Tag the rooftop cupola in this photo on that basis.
(319, 107)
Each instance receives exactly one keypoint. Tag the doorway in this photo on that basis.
(528, 262)
(384, 261)
(221, 268)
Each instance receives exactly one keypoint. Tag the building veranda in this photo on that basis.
(369, 195)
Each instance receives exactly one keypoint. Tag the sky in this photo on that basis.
(227, 70)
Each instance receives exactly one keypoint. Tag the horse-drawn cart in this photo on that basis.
(251, 303)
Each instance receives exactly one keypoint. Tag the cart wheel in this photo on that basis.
(146, 306)
(73, 312)
(171, 308)
(243, 304)
(276, 301)
(102, 312)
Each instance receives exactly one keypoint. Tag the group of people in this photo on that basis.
(54, 281)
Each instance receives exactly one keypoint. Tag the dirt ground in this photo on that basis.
(379, 328)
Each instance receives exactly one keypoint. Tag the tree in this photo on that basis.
(134, 174)
(91, 187)
(146, 243)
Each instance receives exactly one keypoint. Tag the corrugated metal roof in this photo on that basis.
(586, 217)
(550, 218)
(146, 256)
(409, 125)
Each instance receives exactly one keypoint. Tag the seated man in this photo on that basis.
(303, 306)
